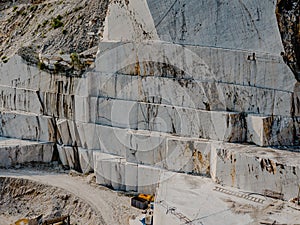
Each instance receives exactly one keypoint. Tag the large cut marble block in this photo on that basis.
(86, 160)
(20, 99)
(131, 177)
(113, 140)
(26, 126)
(88, 135)
(196, 63)
(270, 131)
(148, 178)
(187, 122)
(13, 152)
(256, 169)
(64, 133)
(146, 148)
(67, 155)
(82, 112)
(118, 177)
(115, 113)
(17, 73)
(189, 156)
(59, 105)
(103, 167)
(191, 93)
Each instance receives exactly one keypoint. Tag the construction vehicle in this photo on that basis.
(142, 201)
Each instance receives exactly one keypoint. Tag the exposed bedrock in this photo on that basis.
(198, 87)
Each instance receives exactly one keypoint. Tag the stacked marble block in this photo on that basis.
(15, 151)
(153, 97)
(139, 112)
(31, 103)
(148, 154)
(158, 96)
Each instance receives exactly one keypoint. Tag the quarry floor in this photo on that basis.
(35, 192)
(29, 192)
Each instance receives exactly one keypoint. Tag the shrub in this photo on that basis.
(4, 59)
(15, 8)
(41, 65)
(56, 22)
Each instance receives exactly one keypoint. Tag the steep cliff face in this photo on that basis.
(288, 16)
(51, 26)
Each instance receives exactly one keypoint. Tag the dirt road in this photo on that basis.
(113, 207)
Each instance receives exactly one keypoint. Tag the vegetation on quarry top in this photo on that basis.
(52, 27)
(74, 26)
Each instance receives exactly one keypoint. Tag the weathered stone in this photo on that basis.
(256, 169)
(146, 148)
(129, 23)
(189, 156)
(18, 74)
(59, 105)
(270, 131)
(131, 177)
(148, 178)
(26, 126)
(86, 160)
(20, 99)
(14, 151)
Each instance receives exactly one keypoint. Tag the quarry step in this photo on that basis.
(27, 126)
(38, 102)
(247, 167)
(190, 93)
(216, 125)
(16, 151)
(16, 73)
(202, 64)
(187, 122)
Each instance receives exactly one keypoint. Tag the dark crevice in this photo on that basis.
(288, 17)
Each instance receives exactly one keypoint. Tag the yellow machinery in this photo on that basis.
(142, 201)
(149, 198)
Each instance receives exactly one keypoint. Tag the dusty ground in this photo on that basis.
(30, 193)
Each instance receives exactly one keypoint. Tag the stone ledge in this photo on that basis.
(251, 168)
(190, 93)
(27, 126)
(15, 151)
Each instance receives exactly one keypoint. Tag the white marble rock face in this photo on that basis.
(188, 156)
(86, 160)
(15, 152)
(272, 131)
(19, 99)
(148, 178)
(256, 169)
(147, 148)
(67, 155)
(131, 177)
(26, 126)
(161, 82)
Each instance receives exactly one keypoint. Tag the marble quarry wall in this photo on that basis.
(189, 86)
